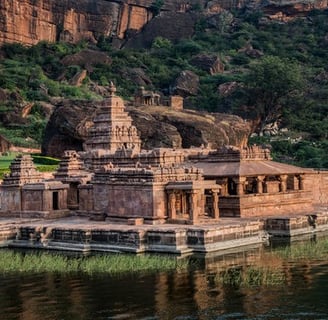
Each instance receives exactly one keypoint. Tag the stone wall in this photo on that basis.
(318, 182)
(10, 199)
(32, 200)
(264, 205)
(130, 200)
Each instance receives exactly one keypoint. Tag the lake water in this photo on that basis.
(176, 295)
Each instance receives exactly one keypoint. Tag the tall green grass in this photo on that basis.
(272, 275)
(306, 250)
(250, 276)
(38, 262)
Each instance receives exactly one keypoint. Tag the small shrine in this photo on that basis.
(24, 192)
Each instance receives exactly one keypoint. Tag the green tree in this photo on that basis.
(270, 85)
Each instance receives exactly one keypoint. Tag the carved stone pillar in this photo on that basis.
(224, 190)
(283, 182)
(240, 185)
(301, 182)
(171, 205)
(259, 184)
(194, 210)
(215, 199)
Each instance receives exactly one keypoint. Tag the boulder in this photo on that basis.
(157, 126)
(3, 95)
(137, 76)
(209, 63)
(186, 84)
(86, 59)
(251, 52)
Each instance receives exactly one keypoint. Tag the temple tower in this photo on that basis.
(112, 129)
(22, 171)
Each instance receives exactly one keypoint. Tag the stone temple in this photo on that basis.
(115, 181)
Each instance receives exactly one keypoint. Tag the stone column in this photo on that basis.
(224, 190)
(259, 184)
(215, 199)
(194, 211)
(171, 205)
(240, 185)
(301, 182)
(283, 182)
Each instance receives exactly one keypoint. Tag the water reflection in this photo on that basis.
(176, 295)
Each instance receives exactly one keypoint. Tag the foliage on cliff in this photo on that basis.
(246, 48)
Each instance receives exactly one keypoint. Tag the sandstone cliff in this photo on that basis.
(157, 127)
(29, 22)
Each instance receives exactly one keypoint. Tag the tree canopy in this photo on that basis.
(270, 83)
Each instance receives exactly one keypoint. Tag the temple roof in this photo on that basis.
(248, 168)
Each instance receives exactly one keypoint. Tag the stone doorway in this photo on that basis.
(55, 200)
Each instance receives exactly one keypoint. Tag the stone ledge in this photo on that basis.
(135, 221)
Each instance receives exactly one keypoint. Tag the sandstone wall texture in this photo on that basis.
(319, 184)
(31, 21)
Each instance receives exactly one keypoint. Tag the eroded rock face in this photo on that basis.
(209, 63)
(186, 84)
(169, 25)
(29, 22)
(157, 126)
(86, 59)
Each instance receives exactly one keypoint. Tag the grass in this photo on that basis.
(308, 250)
(43, 164)
(272, 273)
(250, 276)
(38, 262)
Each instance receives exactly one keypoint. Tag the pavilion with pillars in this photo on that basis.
(254, 185)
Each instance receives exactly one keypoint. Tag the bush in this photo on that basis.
(37, 159)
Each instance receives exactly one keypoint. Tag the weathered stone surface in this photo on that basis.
(186, 84)
(78, 78)
(32, 21)
(225, 89)
(86, 58)
(137, 76)
(3, 95)
(288, 10)
(251, 52)
(29, 22)
(169, 25)
(157, 127)
(210, 63)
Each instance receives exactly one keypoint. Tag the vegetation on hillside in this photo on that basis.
(279, 72)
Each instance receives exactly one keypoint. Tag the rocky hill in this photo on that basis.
(29, 22)
(157, 126)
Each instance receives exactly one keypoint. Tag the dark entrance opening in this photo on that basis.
(232, 187)
(55, 200)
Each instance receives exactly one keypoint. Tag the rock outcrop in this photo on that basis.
(157, 127)
(209, 63)
(29, 22)
(186, 84)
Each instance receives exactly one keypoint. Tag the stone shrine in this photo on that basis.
(24, 192)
